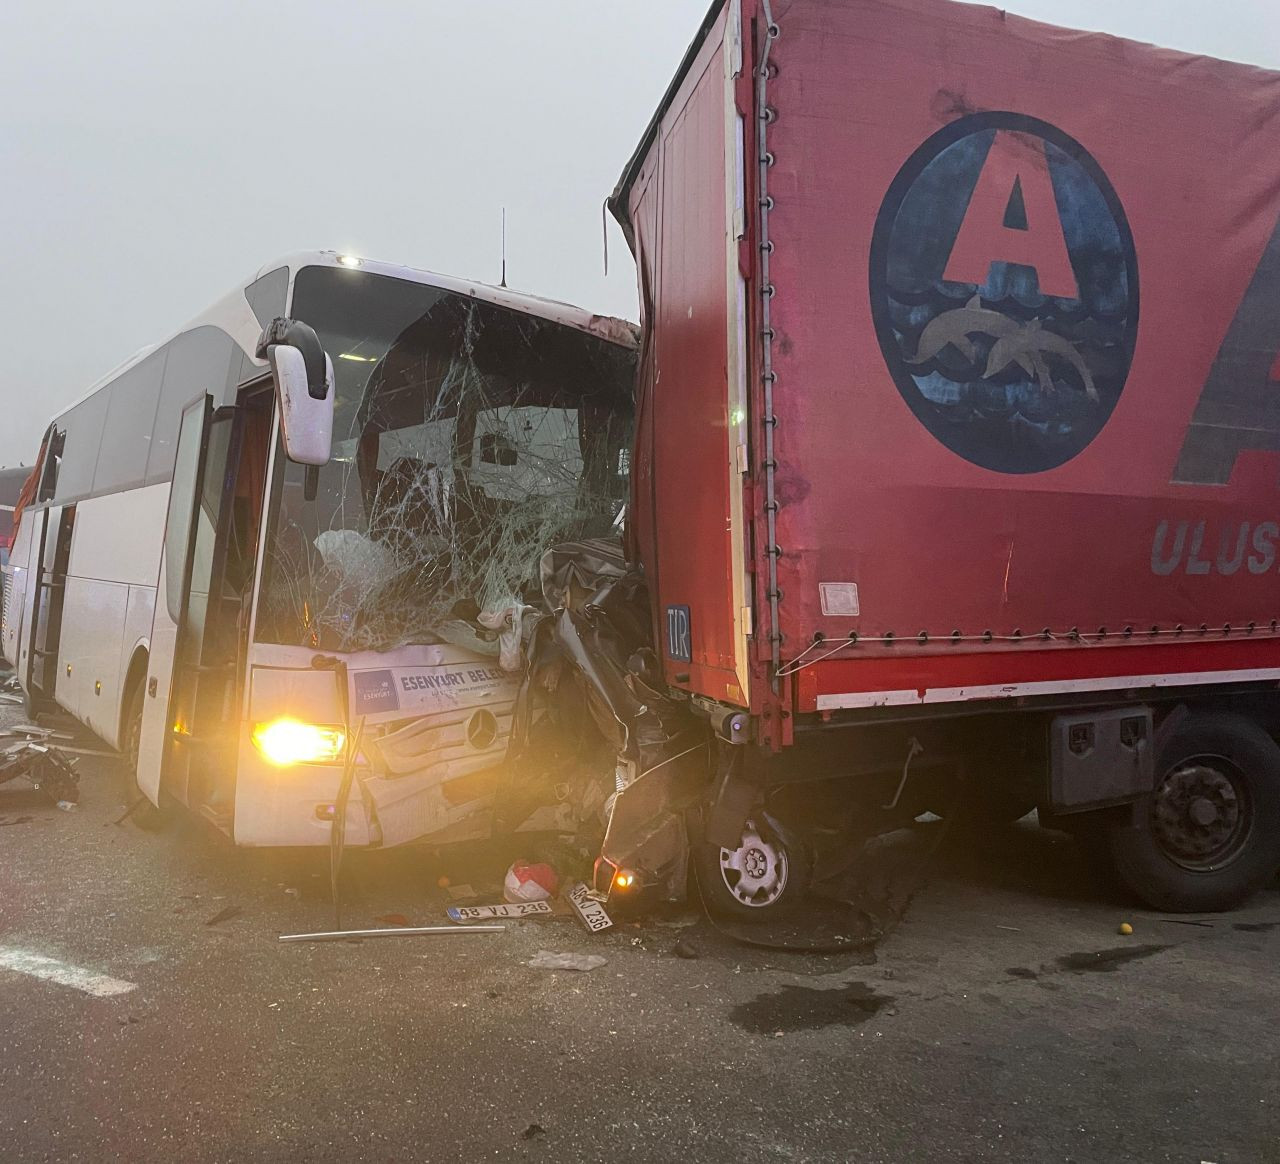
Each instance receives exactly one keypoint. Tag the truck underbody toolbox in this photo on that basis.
(1101, 758)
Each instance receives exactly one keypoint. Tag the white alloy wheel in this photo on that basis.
(756, 872)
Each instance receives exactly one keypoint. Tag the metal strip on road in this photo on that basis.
(51, 970)
(394, 932)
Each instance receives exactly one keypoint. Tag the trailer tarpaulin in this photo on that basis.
(1022, 355)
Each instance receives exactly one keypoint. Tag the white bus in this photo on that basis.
(230, 618)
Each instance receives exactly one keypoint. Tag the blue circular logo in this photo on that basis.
(1004, 288)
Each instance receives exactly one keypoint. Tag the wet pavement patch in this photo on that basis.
(1255, 927)
(805, 1008)
(1106, 960)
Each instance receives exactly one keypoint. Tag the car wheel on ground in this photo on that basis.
(762, 878)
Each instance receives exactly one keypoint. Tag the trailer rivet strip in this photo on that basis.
(765, 116)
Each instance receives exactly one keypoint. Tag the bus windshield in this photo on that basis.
(468, 438)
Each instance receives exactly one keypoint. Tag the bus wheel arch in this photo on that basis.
(135, 677)
(141, 811)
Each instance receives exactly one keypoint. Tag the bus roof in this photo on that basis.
(606, 327)
(232, 312)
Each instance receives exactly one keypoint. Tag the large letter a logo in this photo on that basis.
(1013, 218)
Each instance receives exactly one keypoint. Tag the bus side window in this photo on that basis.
(52, 459)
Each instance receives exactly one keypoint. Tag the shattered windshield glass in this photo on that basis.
(468, 438)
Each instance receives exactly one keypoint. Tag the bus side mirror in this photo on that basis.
(305, 389)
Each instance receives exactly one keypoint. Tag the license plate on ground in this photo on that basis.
(590, 912)
(469, 913)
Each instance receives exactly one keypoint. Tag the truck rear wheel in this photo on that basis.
(1209, 836)
(763, 878)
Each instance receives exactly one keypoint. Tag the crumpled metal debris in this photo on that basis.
(394, 932)
(596, 641)
(45, 768)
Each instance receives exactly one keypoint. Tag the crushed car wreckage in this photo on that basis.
(591, 681)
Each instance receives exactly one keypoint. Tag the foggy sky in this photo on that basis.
(155, 153)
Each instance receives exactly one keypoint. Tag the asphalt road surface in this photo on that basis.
(148, 1012)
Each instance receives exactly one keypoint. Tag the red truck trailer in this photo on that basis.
(957, 419)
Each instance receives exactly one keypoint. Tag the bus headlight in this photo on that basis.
(287, 741)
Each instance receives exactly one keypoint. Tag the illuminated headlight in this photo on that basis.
(289, 741)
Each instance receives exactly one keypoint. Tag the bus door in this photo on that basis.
(186, 559)
(50, 582)
(200, 626)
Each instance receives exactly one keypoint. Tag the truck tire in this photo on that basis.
(764, 878)
(1209, 836)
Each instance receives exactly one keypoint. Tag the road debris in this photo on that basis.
(224, 915)
(44, 767)
(526, 882)
(399, 932)
(546, 960)
(130, 810)
(35, 731)
(30, 733)
(470, 913)
(590, 912)
(1126, 929)
(11, 690)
